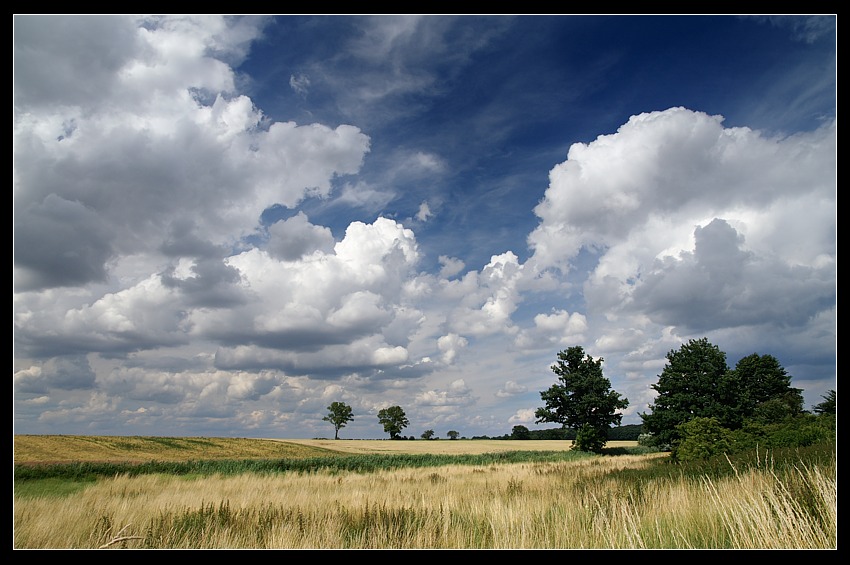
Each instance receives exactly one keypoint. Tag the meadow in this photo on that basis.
(222, 493)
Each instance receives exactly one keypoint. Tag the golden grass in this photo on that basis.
(552, 505)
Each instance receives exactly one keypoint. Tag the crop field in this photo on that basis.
(457, 447)
(87, 492)
(68, 449)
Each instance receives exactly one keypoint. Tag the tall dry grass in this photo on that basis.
(581, 504)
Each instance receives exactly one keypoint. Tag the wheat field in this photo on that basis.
(595, 502)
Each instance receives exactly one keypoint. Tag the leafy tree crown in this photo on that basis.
(394, 420)
(339, 414)
(582, 399)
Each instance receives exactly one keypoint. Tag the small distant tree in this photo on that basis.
(582, 400)
(427, 434)
(452, 434)
(394, 420)
(339, 414)
(520, 432)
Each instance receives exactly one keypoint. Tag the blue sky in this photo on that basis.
(224, 224)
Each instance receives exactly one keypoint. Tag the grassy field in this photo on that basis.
(70, 449)
(439, 494)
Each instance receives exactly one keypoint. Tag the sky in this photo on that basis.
(223, 224)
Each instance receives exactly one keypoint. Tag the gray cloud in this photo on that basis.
(58, 242)
(720, 285)
(293, 238)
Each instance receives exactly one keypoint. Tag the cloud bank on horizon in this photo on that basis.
(223, 224)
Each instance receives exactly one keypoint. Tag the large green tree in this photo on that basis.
(582, 400)
(692, 384)
(760, 386)
(697, 383)
(339, 414)
(394, 420)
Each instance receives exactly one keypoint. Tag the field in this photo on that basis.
(439, 494)
(69, 449)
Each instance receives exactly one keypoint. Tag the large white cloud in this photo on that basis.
(683, 212)
(646, 187)
(166, 135)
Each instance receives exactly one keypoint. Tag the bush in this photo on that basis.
(702, 438)
(590, 439)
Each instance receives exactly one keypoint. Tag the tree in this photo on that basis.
(778, 409)
(692, 384)
(758, 380)
(427, 434)
(394, 420)
(339, 414)
(583, 400)
(697, 383)
(701, 439)
(520, 432)
(828, 404)
(452, 434)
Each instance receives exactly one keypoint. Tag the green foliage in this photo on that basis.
(756, 380)
(828, 404)
(583, 398)
(452, 434)
(701, 438)
(394, 420)
(629, 432)
(780, 460)
(697, 383)
(645, 440)
(427, 434)
(590, 438)
(691, 385)
(804, 430)
(779, 408)
(339, 414)
(520, 432)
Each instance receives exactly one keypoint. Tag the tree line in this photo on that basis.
(702, 406)
(627, 432)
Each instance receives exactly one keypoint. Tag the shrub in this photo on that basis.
(701, 438)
